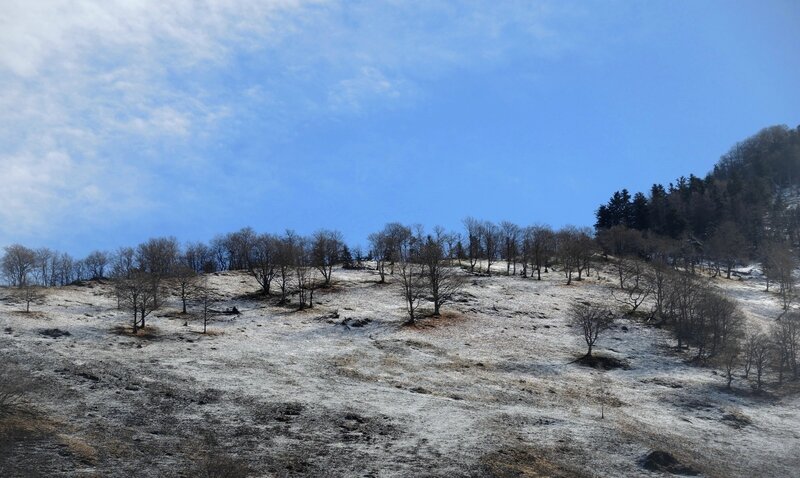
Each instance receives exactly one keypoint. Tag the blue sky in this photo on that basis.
(125, 120)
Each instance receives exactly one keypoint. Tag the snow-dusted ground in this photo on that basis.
(487, 390)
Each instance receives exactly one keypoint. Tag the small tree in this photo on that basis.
(28, 293)
(326, 251)
(443, 281)
(779, 266)
(203, 295)
(762, 352)
(186, 280)
(569, 251)
(412, 283)
(140, 294)
(591, 321)
(263, 260)
(729, 358)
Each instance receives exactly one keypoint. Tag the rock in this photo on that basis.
(55, 333)
(662, 461)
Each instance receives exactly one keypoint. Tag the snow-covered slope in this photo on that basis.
(489, 389)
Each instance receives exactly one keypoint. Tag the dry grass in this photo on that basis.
(79, 448)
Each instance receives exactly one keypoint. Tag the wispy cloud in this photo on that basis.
(100, 99)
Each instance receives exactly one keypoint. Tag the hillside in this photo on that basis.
(750, 193)
(345, 389)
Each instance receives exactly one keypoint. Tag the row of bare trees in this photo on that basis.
(47, 268)
(534, 248)
(424, 264)
(701, 317)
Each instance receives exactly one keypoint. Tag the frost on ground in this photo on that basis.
(345, 389)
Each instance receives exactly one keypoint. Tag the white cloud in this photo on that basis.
(94, 93)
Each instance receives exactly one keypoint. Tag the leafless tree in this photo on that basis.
(199, 257)
(749, 346)
(304, 271)
(443, 280)
(18, 264)
(203, 294)
(591, 321)
(156, 260)
(264, 260)
(539, 245)
(238, 246)
(385, 246)
(412, 275)
(43, 271)
(492, 239)
(762, 352)
(727, 246)
(511, 241)
(123, 263)
(285, 262)
(28, 293)
(140, 294)
(219, 252)
(96, 263)
(637, 286)
(326, 251)
(64, 269)
(779, 266)
(715, 323)
(473, 227)
(568, 251)
(585, 250)
(785, 335)
(380, 252)
(186, 280)
(729, 358)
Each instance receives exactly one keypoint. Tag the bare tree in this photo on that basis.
(785, 335)
(727, 246)
(28, 293)
(779, 266)
(140, 294)
(473, 227)
(326, 252)
(64, 265)
(239, 246)
(156, 260)
(568, 251)
(285, 259)
(412, 276)
(304, 271)
(762, 352)
(380, 252)
(749, 347)
(591, 321)
(43, 272)
(264, 259)
(444, 281)
(729, 358)
(199, 257)
(123, 263)
(186, 280)
(637, 286)
(511, 238)
(203, 294)
(491, 238)
(18, 264)
(585, 250)
(96, 263)
(539, 245)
